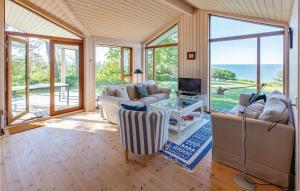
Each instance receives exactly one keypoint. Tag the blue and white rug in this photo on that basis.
(194, 143)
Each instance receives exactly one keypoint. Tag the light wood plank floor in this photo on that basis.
(83, 152)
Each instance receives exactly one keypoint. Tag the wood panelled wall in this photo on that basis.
(193, 36)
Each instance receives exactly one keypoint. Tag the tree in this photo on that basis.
(279, 77)
(222, 74)
(109, 72)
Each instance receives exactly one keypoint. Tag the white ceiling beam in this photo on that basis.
(181, 6)
(69, 12)
(45, 14)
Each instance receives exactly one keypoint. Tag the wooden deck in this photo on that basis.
(82, 152)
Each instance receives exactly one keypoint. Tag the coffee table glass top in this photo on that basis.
(175, 103)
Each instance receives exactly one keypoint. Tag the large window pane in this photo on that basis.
(108, 67)
(233, 66)
(66, 76)
(18, 67)
(39, 72)
(127, 66)
(271, 69)
(169, 37)
(149, 62)
(224, 27)
(166, 60)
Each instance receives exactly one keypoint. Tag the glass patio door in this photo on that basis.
(66, 77)
(17, 79)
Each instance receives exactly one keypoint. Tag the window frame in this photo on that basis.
(122, 48)
(256, 36)
(154, 47)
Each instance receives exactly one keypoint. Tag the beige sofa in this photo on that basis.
(110, 102)
(269, 154)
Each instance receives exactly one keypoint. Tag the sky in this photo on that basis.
(244, 51)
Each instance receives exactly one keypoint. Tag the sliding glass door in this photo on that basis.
(243, 55)
(18, 79)
(66, 77)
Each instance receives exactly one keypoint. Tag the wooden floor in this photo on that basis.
(83, 152)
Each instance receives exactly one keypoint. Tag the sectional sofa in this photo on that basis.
(113, 96)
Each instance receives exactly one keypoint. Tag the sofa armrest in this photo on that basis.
(165, 90)
(273, 149)
(111, 100)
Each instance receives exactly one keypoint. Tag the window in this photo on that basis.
(243, 55)
(113, 66)
(162, 59)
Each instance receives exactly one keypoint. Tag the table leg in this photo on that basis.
(68, 95)
(179, 126)
(59, 94)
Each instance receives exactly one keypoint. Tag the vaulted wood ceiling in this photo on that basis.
(137, 20)
(269, 9)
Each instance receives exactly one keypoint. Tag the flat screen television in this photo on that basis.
(189, 85)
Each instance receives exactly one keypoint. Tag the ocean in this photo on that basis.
(248, 71)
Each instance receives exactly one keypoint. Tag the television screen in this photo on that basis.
(189, 85)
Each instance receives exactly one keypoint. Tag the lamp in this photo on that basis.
(242, 180)
(137, 72)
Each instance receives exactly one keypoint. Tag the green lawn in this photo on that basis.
(230, 98)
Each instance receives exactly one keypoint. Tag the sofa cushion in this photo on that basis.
(110, 91)
(134, 107)
(276, 109)
(122, 93)
(153, 89)
(255, 109)
(160, 96)
(148, 100)
(140, 90)
(131, 92)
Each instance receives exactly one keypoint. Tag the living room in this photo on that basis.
(149, 95)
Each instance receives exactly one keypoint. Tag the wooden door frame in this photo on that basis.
(52, 77)
(10, 117)
(122, 64)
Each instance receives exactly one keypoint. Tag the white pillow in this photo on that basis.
(276, 109)
(254, 110)
(122, 93)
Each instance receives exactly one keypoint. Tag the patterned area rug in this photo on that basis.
(192, 146)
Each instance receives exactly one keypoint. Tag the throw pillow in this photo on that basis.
(276, 109)
(134, 107)
(109, 91)
(131, 92)
(153, 89)
(122, 93)
(141, 91)
(254, 110)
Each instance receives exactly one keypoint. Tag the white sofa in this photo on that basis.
(110, 103)
(269, 154)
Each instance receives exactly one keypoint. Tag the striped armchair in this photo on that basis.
(143, 133)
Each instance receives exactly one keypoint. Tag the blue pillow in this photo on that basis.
(134, 107)
(141, 91)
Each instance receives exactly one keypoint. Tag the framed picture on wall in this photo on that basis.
(191, 55)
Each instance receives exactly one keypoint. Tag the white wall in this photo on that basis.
(90, 63)
(294, 79)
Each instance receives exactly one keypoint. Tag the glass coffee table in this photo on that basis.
(181, 107)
